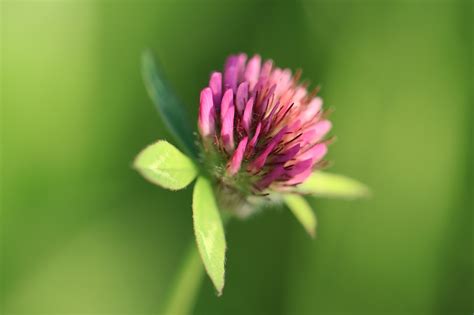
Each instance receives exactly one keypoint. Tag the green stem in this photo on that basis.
(185, 289)
(184, 292)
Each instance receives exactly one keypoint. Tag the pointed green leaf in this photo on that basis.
(162, 164)
(168, 104)
(209, 232)
(332, 185)
(302, 211)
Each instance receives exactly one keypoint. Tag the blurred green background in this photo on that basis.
(82, 233)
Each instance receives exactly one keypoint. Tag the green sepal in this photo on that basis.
(302, 211)
(323, 184)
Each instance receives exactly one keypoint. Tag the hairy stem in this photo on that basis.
(186, 287)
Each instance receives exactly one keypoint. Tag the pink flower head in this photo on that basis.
(261, 128)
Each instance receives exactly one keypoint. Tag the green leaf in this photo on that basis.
(209, 232)
(162, 164)
(168, 104)
(302, 211)
(332, 185)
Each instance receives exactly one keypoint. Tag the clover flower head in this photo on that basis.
(263, 139)
(261, 130)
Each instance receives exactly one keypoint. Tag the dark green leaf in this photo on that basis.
(167, 103)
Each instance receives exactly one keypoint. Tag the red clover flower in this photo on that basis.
(261, 130)
(263, 138)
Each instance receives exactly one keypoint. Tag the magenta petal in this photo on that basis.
(273, 111)
(313, 108)
(266, 101)
(299, 94)
(241, 60)
(299, 167)
(316, 153)
(270, 177)
(236, 159)
(308, 136)
(283, 112)
(241, 97)
(227, 102)
(284, 82)
(269, 120)
(231, 73)
(258, 163)
(266, 70)
(316, 133)
(215, 83)
(301, 177)
(206, 120)
(227, 131)
(252, 71)
(254, 139)
(320, 152)
(323, 127)
(287, 155)
(247, 117)
(295, 126)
